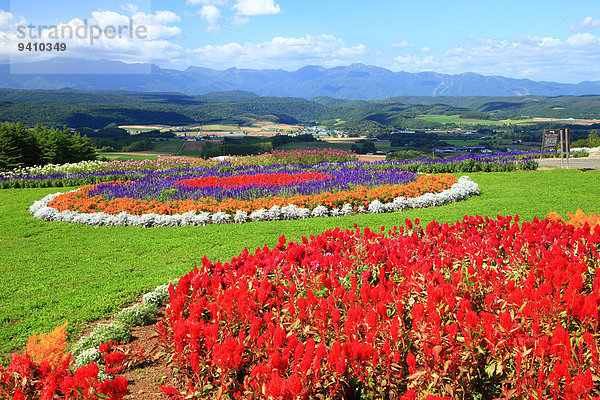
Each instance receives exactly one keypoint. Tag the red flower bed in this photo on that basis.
(43, 372)
(25, 379)
(254, 180)
(478, 309)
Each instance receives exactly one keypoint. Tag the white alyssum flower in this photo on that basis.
(336, 212)
(102, 333)
(347, 210)
(159, 295)
(274, 213)
(240, 217)
(137, 315)
(91, 354)
(259, 215)
(376, 207)
(86, 349)
(220, 217)
(320, 211)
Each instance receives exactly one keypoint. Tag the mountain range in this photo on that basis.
(356, 81)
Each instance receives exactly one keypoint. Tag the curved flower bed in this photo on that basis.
(477, 309)
(79, 207)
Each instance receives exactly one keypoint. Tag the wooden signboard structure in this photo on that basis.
(550, 141)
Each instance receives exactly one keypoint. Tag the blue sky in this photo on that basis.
(540, 40)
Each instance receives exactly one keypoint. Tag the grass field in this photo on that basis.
(195, 154)
(52, 272)
(128, 156)
(461, 142)
(169, 147)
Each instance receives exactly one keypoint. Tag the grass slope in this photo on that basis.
(56, 271)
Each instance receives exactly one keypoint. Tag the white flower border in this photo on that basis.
(465, 187)
(85, 350)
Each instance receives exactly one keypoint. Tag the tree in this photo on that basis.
(18, 147)
(82, 148)
(363, 147)
(593, 139)
(54, 144)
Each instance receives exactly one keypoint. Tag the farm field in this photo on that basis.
(256, 129)
(456, 119)
(61, 271)
(167, 147)
(162, 148)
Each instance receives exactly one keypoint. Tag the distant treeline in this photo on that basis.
(113, 138)
(251, 145)
(21, 146)
(591, 141)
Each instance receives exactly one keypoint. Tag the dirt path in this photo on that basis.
(143, 383)
(364, 157)
(592, 162)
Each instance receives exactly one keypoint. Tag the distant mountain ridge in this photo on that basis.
(356, 81)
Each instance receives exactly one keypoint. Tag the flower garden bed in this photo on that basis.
(478, 309)
(254, 194)
(87, 173)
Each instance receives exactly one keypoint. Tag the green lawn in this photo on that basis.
(56, 271)
(125, 157)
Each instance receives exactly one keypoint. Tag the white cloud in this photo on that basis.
(401, 44)
(587, 23)
(281, 51)
(208, 2)
(251, 8)
(239, 20)
(238, 14)
(212, 15)
(426, 49)
(6, 18)
(141, 38)
(550, 42)
(131, 8)
(159, 17)
(583, 40)
(9, 22)
(105, 18)
(552, 59)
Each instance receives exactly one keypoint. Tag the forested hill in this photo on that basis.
(96, 109)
